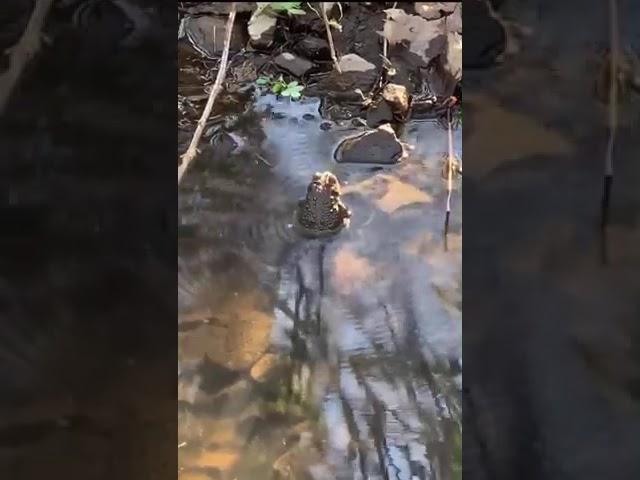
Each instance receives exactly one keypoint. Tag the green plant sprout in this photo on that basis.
(280, 87)
(291, 8)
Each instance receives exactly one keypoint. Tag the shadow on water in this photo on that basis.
(333, 358)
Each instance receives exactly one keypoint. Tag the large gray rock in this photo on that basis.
(380, 146)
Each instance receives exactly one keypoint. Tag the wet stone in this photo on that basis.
(314, 48)
(326, 126)
(278, 115)
(397, 97)
(357, 73)
(380, 146)
(293, 64)
(308, 116)
(379, 114)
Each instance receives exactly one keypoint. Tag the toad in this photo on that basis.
(322, 211)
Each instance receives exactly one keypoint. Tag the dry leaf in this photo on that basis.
(427, 39)
(454, 21)
(433, 10)
(259, 23)
(453, 59)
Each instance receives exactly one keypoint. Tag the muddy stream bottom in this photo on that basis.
(337, 358)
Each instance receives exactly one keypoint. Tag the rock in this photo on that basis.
(394, 106)
(357, 73)
(355, 63)
(379, 114)
(294, 64)
(314, 48)
(380, 146)
(261, 30)
(398, 99)
(207, 34)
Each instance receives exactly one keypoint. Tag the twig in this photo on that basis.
(192, 151)
(24, 50)
(325, 20)
(450, 161)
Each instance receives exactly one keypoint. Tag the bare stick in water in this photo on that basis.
(192, 151)
(450, 164)
(24, 50)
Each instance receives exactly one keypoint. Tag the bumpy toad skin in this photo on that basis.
(322, 210)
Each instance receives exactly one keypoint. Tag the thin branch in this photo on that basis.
(450, 163)
(192, 151)
(325, 20)
(24, 50)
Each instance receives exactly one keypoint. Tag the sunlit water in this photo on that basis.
(334, 358)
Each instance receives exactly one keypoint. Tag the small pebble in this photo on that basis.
(326, 126)
(278, 115)
(308, 116)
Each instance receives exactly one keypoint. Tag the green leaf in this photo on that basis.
(263, 81)
(295, 94)
(284, 6)
(296, 11)
(277, 88)
(292, 84)
(285, 93)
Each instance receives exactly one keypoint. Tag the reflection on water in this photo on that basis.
(334, 358)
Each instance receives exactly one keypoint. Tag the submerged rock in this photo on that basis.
(380, 146)
(293, 64)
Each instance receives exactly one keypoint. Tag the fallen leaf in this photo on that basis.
(453, 59)
(260, 23)
(434, 10)
(427, 39)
